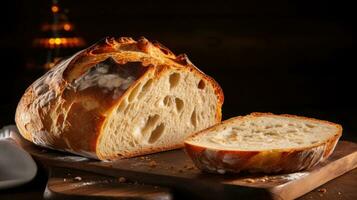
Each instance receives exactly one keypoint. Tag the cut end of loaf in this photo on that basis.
(263, 142)
(158, 113)
(258, 132)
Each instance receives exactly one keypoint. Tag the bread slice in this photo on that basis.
(263, 142)
(117, 99)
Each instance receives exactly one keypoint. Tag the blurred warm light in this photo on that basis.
(51, 43)
(57, 41)
(54, 8)
(57, 37)
(64, 41)
(67, 27)
(57, 27)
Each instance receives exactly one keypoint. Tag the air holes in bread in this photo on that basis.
(237, 129)
(132, 143)
(147, 86)
(179, 104)
(156, 133)
(233, 137)
(170, 101)
(194, 118)
(310, 125)
(151, 130)
(268, 127)
(271, 134)
(134, 93)
(167, 101)
(127, 108)
(174, 80)
(201, 85)
(122, 106)
(151, 122)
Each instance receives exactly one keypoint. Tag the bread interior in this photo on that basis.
(266, 133)
(159, 113)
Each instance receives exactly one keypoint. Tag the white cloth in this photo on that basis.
(16, 165)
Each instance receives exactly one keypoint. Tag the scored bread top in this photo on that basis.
(265, 131)
(67, 107)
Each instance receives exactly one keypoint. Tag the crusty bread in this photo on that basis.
(263, 142)
(119, 98)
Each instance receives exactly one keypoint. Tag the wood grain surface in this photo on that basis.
(75, 184)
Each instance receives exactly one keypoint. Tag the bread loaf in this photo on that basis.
(263, 142)
(117, 99)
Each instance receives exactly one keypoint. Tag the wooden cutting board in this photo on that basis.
(71, 184)
(175, 170)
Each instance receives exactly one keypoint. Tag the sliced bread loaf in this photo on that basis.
(117, 99)
(263, 142)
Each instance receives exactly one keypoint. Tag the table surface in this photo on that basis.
(343, 187)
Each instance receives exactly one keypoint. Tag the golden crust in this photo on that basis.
(275, 161)
(63, 112)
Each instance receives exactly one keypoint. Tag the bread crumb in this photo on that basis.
(64, 179)
(122, 179)
(152, 164)
(191, 168)
(339, 193)
(78, 178)
(322, 190)
(249, 180)
(264, 178)
(188, 167)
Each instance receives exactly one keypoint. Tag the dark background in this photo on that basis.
(272, 56)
